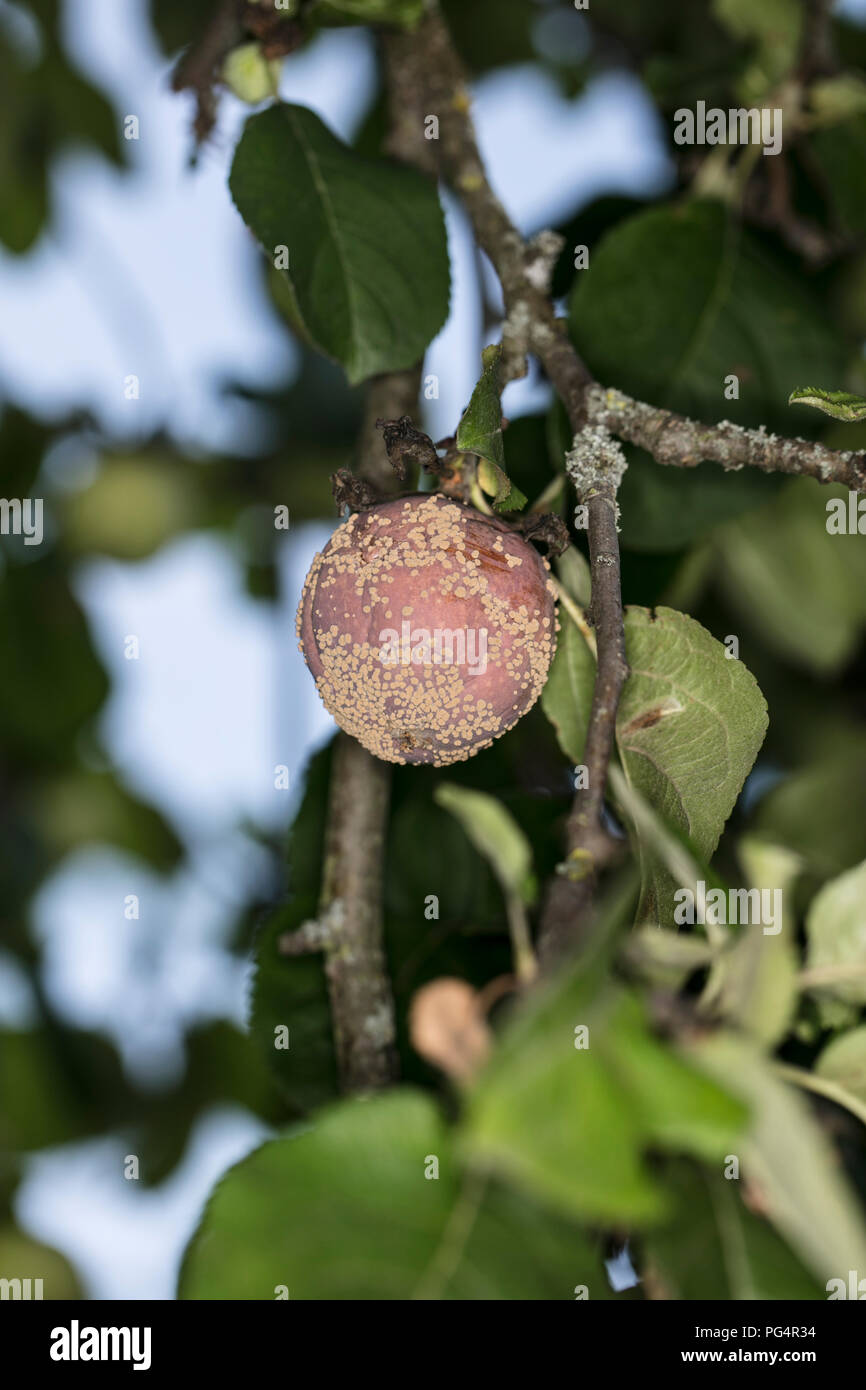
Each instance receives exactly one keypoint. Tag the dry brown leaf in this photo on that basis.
(447, 1027)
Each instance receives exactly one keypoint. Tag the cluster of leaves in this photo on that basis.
(631, 1134)
(509, 1185)
(60, 793)
(49, 107)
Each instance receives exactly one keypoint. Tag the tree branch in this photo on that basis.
(817, 55)
(426, 78)
(198, 66)
(349, 925)
(362, 1004)
(674, 439)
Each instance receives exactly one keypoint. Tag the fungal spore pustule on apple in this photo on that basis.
(429, 628)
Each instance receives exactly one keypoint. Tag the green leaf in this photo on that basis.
(48, 107)
(670, 846)
(346, 1211)
(819, 811)
(38, 1110)
(680, 1112)
(843, 1061)
(368, 259)
(774, 28)
(802, 588)
(491, 33)
(772, 22)
(815, 1084)
(467, 938)
(786, 1155)
(53, 681)
(689, 727)
(249, 74)
(842, 405)
(839, 152)
(290, 992)
(21, 1257)
(480, 432)
(835, 99)
(430, 858)
(59, 1084)
(836, 933)
(571, 1123)
(480, 428)
(497, 484)
(79, 807)
(715, 1248)
(567, 696)
(753, 984)
(667, 957)
(677, 299)
(494, 833)
(666, 509)
(573, 570)
(153, 488)
(528, 460)
(175, 26)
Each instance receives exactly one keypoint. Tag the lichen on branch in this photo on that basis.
(683, 443)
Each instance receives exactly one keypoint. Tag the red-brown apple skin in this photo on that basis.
(439, 567)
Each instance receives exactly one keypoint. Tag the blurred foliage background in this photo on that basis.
(742, 553)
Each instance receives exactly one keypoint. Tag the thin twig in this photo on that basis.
(577, 615)
(822, 1086)
(199, 65)
(817, 51)
(820, 976)
(525, 964)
